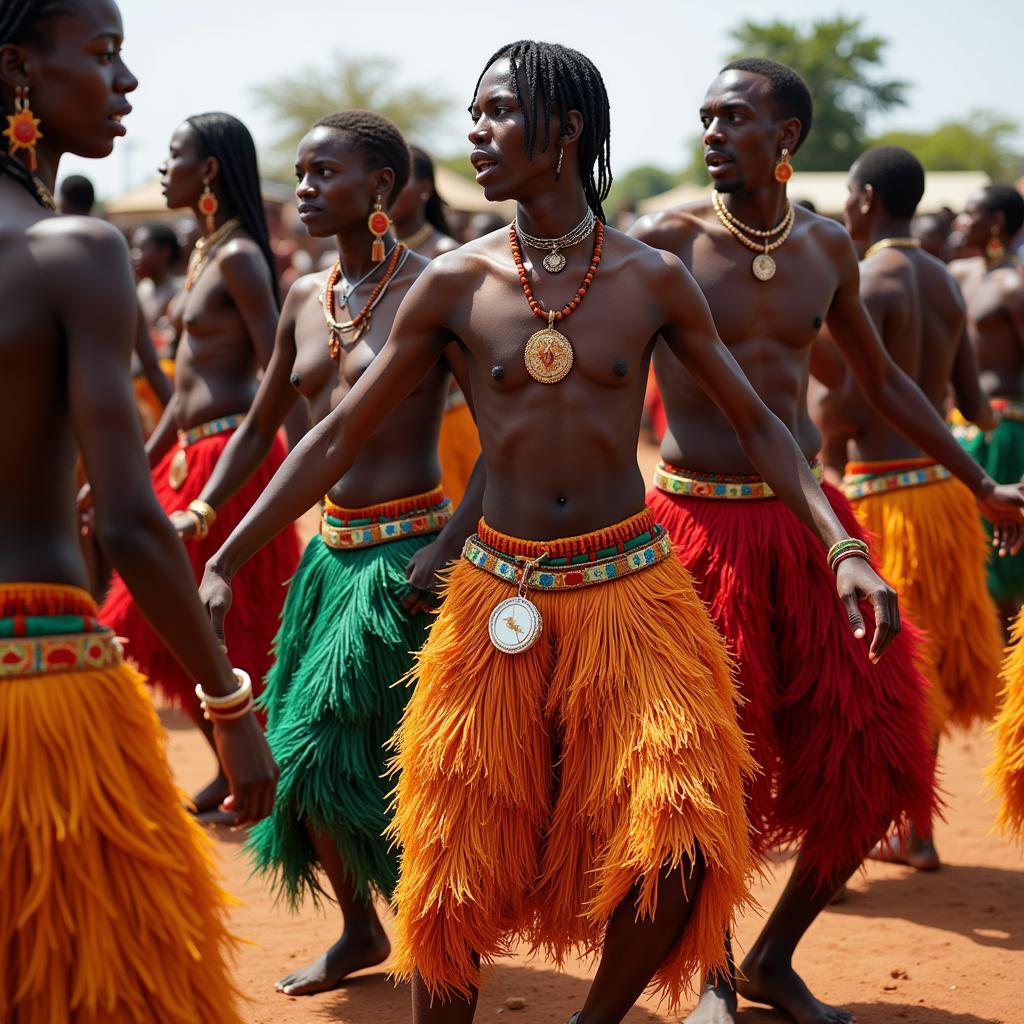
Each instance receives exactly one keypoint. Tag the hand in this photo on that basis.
(422, 574)
(856, 581)
(250, 767)
(1008, 538)
(215, 593)
(1003, 504)
(185, 523)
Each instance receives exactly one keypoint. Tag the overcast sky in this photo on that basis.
(656, 57)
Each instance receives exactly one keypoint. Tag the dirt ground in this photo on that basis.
(905, 948)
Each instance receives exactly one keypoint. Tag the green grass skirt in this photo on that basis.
(332, 705)
(1001, 455)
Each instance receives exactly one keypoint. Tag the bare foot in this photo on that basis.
(916, 852)
(211, 796)
(348, 954)
(717, 1005)
(778, 985)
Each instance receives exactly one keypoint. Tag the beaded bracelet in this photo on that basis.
(228, 706)
(844, 555)
(846, 544)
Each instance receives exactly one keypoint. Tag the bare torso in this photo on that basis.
(769, 327)
(997, 342)
(216, 364)
(400, 456)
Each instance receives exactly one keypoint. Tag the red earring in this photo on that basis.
(208, 206)
(379, 224)
(23, 128)
(783, 169)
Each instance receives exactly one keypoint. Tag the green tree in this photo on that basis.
(982, 142)
(347, 83)
(837, 61)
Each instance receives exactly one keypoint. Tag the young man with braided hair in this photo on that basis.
(844, 742)
(569, 768)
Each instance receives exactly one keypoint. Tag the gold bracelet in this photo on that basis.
(206, 516)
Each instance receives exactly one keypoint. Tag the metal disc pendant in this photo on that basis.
(515, 625)
(554, 262)
(763, 267)
(178, 470)
(548, 356)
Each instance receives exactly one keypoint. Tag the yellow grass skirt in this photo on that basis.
(458, 448)
(536, 790)
(109, 907)
(1007, 769)
(932, 550)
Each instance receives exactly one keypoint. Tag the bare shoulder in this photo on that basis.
(87, 255)
(963, 269)
(827, 232)
(469, 263)
(239, 253)
(640, 257)
(673, 228)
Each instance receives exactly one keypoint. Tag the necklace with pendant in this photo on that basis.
(516, 623)
(548, 354)
(554, 262)
(763, 266)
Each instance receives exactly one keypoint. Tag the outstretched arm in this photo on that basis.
(97, 311)
(691, 335)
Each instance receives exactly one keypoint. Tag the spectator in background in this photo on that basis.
(155, 254)
(76, 195)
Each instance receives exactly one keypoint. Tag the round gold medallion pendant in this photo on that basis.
(763, 267)
(515, 625)
(548, 356)
(554, 262)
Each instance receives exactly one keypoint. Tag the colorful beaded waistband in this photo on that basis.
(52, 628)
(863, 479)
(349, 528)
(572, 562)
(689, 484)
(204, 430)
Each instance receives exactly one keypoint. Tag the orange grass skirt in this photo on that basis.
(458, 449)
(110, 909)
(932, 549)
(1007, 769)
(537, 791)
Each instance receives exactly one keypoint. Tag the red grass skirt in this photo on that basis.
(844, 745)
(259, 587)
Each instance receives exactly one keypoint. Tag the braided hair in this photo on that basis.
(434, 211)
(377, 139)
(226, 138)
(566, 80)
(22, 21)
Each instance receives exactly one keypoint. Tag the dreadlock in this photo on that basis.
(565, 80)
(23, 22)
(226, 138)
(423, 170)
(377, 139)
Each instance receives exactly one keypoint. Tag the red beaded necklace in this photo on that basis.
(548, 354)
(361, 321)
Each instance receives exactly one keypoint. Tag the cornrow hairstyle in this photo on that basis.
(1006, 200)
(226, 138)
(789, 91)
(23, 22)
(565, 80)
(895, 174)
(423, 170)
(378, 139)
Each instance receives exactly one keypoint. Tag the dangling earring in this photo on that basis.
(23, 128)
(995, 251)
(208, 206)
(783, 169)
(558, 166)
(379, 224)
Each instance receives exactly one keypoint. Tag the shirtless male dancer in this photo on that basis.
(569, 767)
(844, 744)
(109, 906)
(993, 287)
(926, 523)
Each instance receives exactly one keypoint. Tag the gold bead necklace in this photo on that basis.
(763, 266)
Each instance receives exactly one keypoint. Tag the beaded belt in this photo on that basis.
(349, 528)
(893, 477)
(52, 628)
(689, 484)
(641, 552)
(178, 471)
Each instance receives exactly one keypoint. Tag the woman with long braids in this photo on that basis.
(351, 619)
(422, 224)
(569, 767)
(109, 908)
(226, 317)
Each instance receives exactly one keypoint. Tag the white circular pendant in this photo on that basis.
(554, 262)
(763, 267)
(515, 625)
